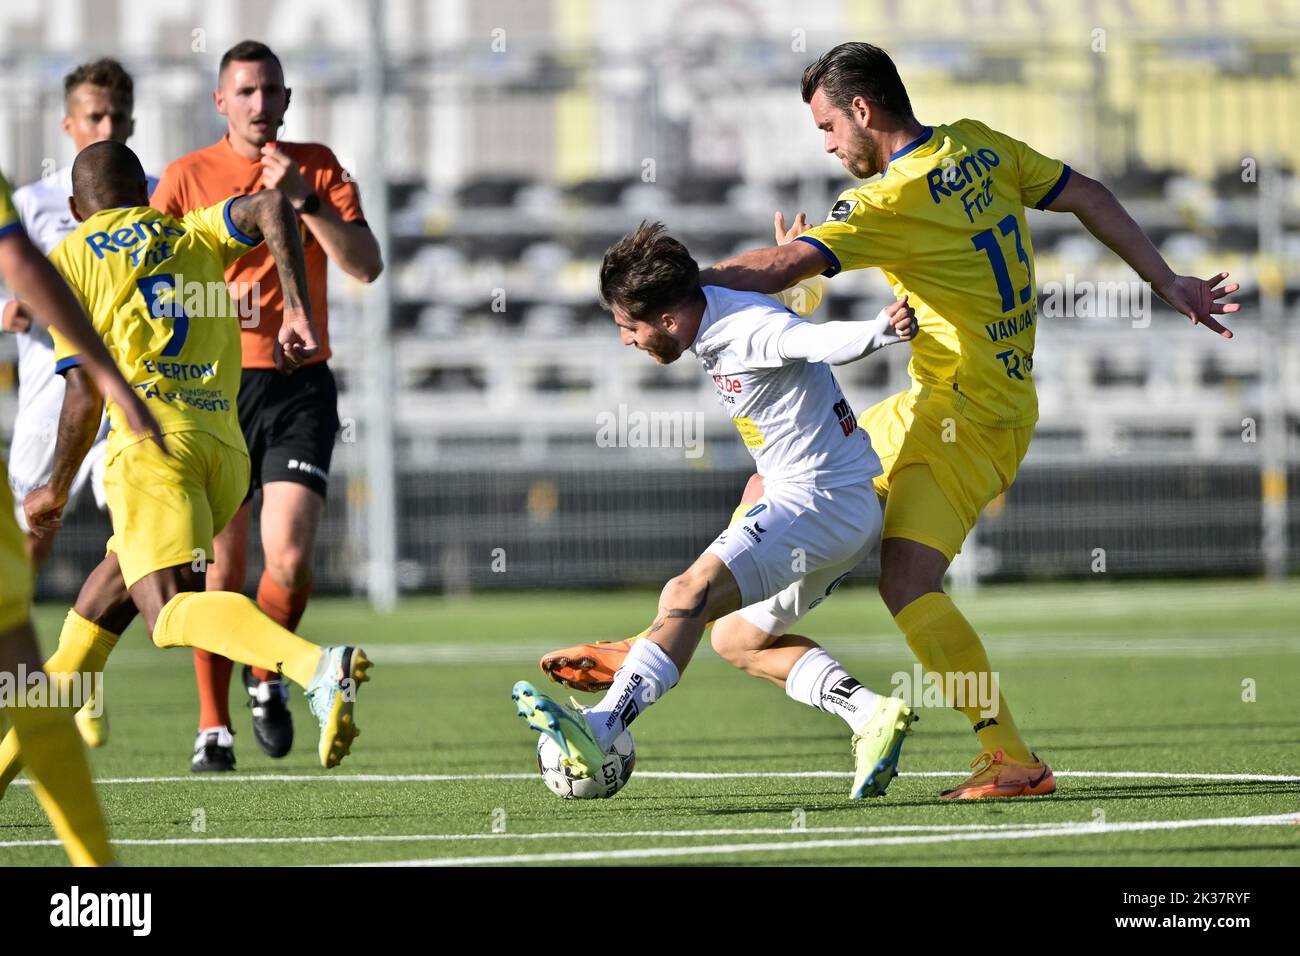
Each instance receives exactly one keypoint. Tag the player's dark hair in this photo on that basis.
(858, 69)
(108, 174)
(648, 272)
(247, 51)
(105, 72)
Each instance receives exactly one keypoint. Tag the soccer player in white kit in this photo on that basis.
(817, 519)
(98, 102)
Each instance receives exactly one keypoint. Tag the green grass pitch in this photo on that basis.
(1113, 684)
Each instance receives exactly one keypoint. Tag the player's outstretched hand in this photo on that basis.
(15, 317)
(784, 235)
(903, 319)
(1198, 299)
(296, 342)
(138, 417)
(44, 510)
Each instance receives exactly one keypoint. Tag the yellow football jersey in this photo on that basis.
(946, 224)
(15, 570)
(9, 220)
(154, 288)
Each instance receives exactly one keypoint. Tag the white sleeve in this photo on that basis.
(758, 333)
(836, 343)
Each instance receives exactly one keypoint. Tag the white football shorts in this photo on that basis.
(795, 546)
(31, 456)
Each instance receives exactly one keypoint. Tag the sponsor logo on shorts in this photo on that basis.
(755, 531)
(309, 468)
(830, 588)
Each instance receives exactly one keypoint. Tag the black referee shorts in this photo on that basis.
(289, 423)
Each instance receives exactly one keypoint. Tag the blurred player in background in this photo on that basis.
(156, 289)
(943, 215)
(98, 101)
(57, 762)
(289, 423)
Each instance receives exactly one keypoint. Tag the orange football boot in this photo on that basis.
(995, 776)
(588, 667)
(591, 667)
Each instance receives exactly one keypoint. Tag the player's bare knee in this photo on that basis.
(688, 591)
(898, 589)
(290, 567)
(728, 643)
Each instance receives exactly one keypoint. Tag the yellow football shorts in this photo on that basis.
(166, 509)
(15, 570)
(941, 468)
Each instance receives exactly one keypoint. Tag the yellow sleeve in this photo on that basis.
(65, 353)
(802, 298)
(9, 221)
(857, 235)
(215, 223)
(1041, 179)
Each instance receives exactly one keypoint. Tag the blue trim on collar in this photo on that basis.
(919, 141)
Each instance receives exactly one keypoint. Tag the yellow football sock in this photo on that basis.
(83, 649)
(56, 762)
(231, 625)
(945, 643)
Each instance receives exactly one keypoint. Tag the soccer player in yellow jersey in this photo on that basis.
(154, 286)
(58, 764)
(942, 213)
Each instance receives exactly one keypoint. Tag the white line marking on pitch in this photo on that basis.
(664, 775)
(1024, 833)
(565, 835)
(1153, 643)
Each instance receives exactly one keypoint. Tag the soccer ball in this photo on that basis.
(613, 773)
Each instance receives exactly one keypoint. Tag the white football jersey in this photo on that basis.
(791, 414)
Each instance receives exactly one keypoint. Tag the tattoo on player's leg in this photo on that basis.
(693, 612)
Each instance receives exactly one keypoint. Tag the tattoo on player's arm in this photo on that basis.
(278, 225)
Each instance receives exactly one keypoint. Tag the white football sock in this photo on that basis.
(817, 679)
(646, 675)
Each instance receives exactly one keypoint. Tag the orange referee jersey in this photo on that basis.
(209, 175)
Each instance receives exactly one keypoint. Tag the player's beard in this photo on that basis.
(859, 159)
(663, 348)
